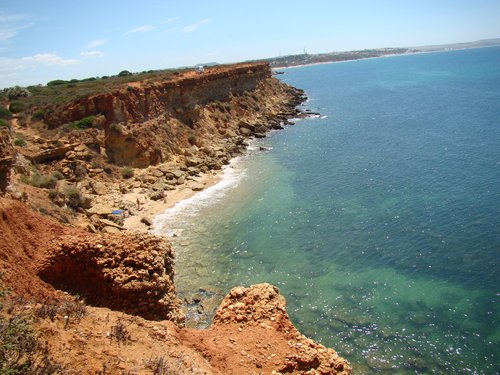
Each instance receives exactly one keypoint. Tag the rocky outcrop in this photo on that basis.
(132, 273)
(262, 307)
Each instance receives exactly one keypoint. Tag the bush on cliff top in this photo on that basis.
(73, 197)
(127, 172)
(4, 124)
(5, 113)
(84, 123)
(44, 181)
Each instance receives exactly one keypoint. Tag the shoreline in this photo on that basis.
(379, 57)
(152, 209)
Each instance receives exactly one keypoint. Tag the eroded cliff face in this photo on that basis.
(6, 157)
(127, 272)
(130, 276)
(153, 122)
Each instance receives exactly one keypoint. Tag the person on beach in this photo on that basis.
(139, 205)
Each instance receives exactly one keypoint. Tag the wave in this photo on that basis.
(232, 174)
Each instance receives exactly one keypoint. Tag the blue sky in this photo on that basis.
(42, 40)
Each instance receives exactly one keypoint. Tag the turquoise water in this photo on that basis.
(379, 222)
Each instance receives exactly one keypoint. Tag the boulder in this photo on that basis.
(99, 188)
(245, 132)
(147, 221)
(110, 229)
(193, 171)
(196, 186)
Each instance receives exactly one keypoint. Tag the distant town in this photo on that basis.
(306, 58)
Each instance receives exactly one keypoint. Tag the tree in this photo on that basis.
(124, 73)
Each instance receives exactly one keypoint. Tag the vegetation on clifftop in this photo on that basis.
(35, 100)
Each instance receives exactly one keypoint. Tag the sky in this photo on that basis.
(43, 40)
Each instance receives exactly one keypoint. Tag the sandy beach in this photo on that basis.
(151, 208)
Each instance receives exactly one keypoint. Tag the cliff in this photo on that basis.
(124, 278)
(148, 123)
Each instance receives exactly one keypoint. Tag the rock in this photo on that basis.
(193, 171)
(49, 154)
(245, 125)
(158, 186)
(99, 188)
(181, 180)
(86, 202)
(100, 209)
(259, 135)
(178, 174)
(109, 223)
(196, 186)
(133, 212)
(147, 220)
(156, 173)
(208, 150)
(245, 132)
(192, 162)
(110, 229)
(83, 184)
(262, 307)
(156, 196)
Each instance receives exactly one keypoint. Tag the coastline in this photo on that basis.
(152, 209)
(383, 56)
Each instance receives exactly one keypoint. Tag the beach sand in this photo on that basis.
(151, 208)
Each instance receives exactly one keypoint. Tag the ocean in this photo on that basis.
(379, 221)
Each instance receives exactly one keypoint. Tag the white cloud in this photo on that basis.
(95, 43)
(195, 26)
(140, 29)
(11, 17)
(91, 54)
(170, 20)
(8, 32)
(50, 59)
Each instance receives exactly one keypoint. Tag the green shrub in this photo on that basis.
(57, 82)
(128, 172)
(73, 197)
(80, 171)
(84, 123)
(16, 107)
(17, 92)
(4, 124)
(44, 181)
(5, 113)
(58, 175)
(124, 73)
(38, 115)
(20, 350)
(19, 142)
